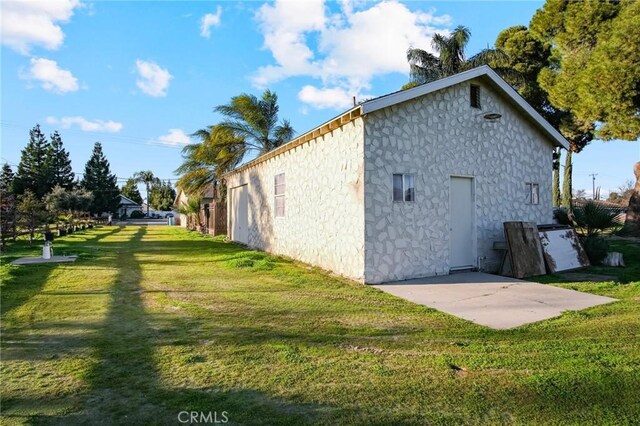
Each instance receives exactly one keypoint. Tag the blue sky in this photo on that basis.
(141, 76)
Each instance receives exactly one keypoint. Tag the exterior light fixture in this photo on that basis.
(492, 116)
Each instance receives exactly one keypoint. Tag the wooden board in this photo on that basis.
(525, 249)
(562, 250)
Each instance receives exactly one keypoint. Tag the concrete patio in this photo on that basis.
(491, 300)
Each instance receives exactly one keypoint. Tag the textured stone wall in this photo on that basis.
(434, 137)
(324, 202)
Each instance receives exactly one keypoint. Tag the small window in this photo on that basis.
(474, 93)
(279, 188)
(533, 193)
(403, 187)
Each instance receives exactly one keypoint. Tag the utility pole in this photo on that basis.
(593, 185)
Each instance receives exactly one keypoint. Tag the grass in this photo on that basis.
(152, 321)
(631, 254)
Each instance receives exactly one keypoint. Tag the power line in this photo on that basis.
(129, 140)
(119, 179)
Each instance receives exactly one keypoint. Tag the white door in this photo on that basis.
(461, 213)
(240, 214)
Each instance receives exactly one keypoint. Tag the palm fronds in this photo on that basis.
(426, 67)
(255, 121)
(249, 124)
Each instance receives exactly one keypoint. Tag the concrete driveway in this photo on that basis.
(491, 300)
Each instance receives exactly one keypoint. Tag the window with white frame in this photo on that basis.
(278, 191)
(533, 193)
(403, 187)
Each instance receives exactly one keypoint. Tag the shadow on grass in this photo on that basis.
(22, 282)
(15, 291)
(138, 346)
(125, 385)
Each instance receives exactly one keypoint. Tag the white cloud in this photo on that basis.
(85, 125)
(325, 98)
(175, 137)
(360, 42)
(153, 79)
(284, 26)
(35, 23)
(210, 20)
(50, 76)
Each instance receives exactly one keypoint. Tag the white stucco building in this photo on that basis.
(412, 184)
(127, 206)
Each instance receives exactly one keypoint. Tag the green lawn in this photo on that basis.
(151, 321)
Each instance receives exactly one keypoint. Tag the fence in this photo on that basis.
(214, 218)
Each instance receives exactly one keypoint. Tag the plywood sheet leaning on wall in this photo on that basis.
(525, 249)
(562, 249)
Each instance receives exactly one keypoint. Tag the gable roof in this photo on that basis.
(208, 194)
(485, 72)
(127, 201)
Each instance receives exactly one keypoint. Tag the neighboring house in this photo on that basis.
(411, 184)
(213, 215)
(127, 206)
(153, 212)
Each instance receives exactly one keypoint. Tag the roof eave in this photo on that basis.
(321, 130)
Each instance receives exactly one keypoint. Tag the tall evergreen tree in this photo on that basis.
(594, 67)
(162, 196)
(32, 173)
(130, 190)
(556, 195)
(6, 179)
(7, 205)
(101, 183)
(58, 163)
(567, 182)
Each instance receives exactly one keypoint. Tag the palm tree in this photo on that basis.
(249, 124)
(191, 209)
(451, 58)
(204, 162)
(255, 121)
(147, 177)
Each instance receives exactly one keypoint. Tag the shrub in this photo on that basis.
(561, 215)
(592, 218)
(596, 248)
(136, 214)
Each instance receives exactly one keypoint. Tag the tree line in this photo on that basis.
(44, 190)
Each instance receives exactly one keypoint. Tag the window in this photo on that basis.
(403, 187)
(474, 95)
(533, 193)
(278, 191)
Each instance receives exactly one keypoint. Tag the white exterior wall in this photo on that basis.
(434, 137)
(324, 202)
